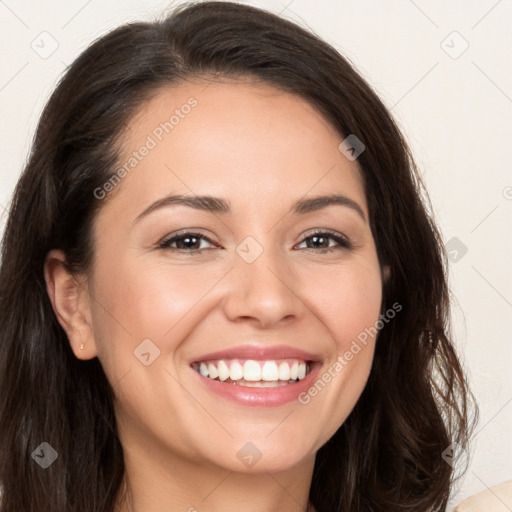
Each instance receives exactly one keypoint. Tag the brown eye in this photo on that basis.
(319, 239)
(186, 242)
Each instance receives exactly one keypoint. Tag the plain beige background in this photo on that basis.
(442, 67)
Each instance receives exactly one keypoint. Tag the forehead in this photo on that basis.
(237, 139)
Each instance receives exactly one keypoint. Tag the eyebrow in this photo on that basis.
(218, 205)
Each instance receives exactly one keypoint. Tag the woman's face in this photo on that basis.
(253, 281)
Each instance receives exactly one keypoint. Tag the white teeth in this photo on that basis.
(294, 371)
(284, 371)
(223, 371)
(269, 371)
(203, 370)
(236, 371)
(212, 371)
(253, 373)
(252, 370)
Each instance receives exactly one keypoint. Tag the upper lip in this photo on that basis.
(259, 352)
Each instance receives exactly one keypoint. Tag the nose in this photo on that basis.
(264, 292)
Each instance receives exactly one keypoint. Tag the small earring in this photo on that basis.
(82, 346)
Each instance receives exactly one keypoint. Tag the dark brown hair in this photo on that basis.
(388, 454)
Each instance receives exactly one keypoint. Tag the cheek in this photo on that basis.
(154, 301)
(163, 297)
(347, 301)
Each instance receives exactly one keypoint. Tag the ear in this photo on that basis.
(70, 300)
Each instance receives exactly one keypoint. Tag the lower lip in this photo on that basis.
(261, 397)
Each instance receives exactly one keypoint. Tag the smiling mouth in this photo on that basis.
(254, 373)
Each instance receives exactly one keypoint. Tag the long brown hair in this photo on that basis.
(389, 453)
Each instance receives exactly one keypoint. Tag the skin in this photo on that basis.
(262, 150)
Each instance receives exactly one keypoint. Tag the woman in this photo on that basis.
(220, 286)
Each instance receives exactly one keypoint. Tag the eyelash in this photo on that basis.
(341, 240)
